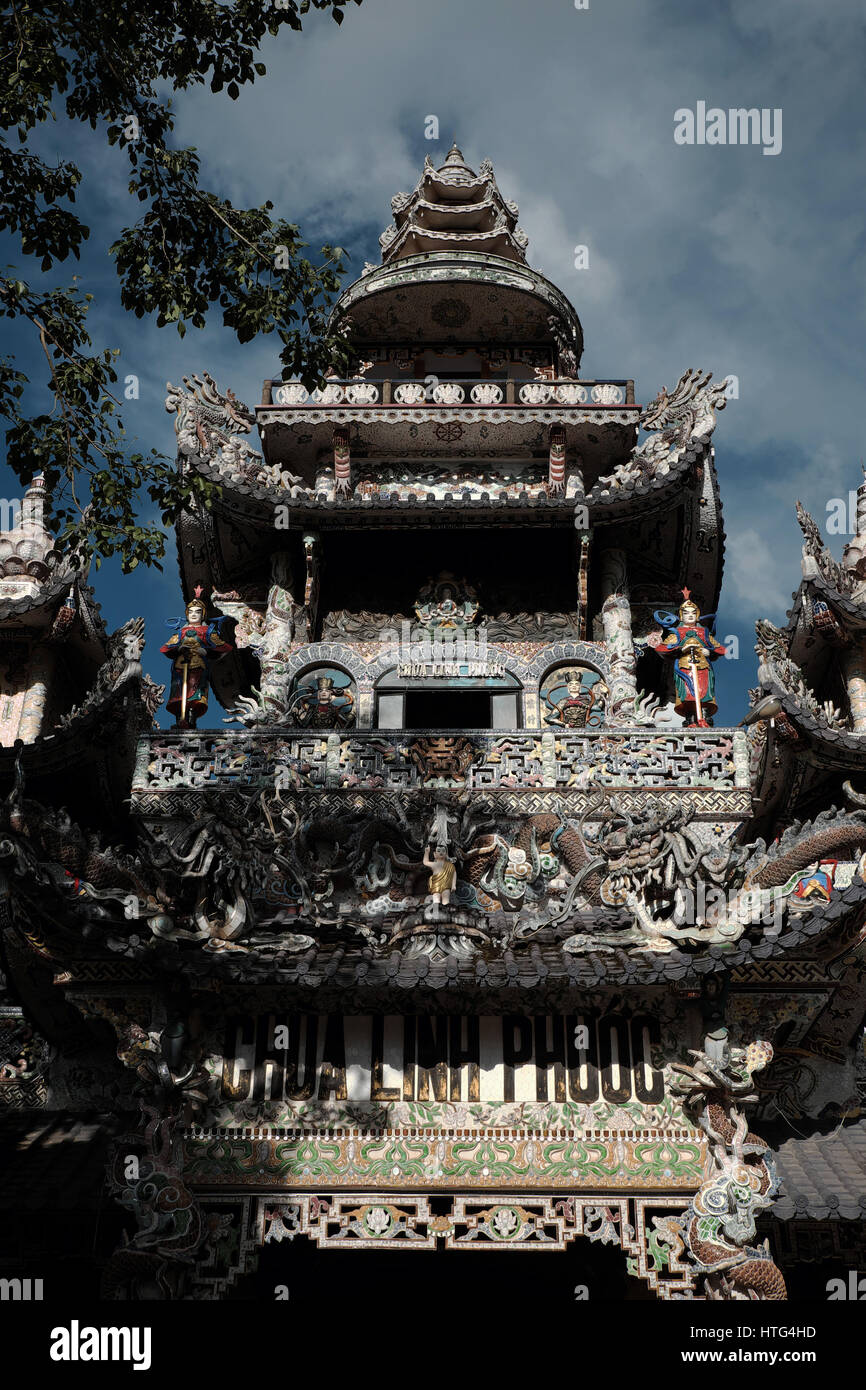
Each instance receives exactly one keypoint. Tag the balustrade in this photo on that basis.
(471, 392)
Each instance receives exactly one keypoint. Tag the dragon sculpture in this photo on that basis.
(718, 1227)
(817, 558)
(263, 875)
(173, 1231)
(122, 663)
(681, 424)
(209, 427)
(777, 672)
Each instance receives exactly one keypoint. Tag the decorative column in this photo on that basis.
(556, 461)
(41, 671)
(548, 758)
(332, 760)
(342, 461)
(854, 657)
(583, 553)
(616, 624)
(854, 669)
(364, 717)
(279, 634)
(312, 560)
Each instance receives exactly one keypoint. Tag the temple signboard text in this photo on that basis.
(302, 1057)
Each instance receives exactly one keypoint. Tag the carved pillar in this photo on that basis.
(854, 658)
(583, 553)
(279, 634)
(854, 667)
(312, 558)
(531, 713)
(548, 758)
(41, 672)
(365, 705)
(741, 758)
(616, 624)
(342, 461)
(556, 461)
(332, 760)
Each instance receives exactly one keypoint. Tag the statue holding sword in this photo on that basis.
(693, 645)
(195, 643)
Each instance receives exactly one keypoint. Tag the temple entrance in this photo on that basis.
(431, 703)
(553, 1281)
(447, 709)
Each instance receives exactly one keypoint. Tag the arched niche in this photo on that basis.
(323, 696)
(572, 695)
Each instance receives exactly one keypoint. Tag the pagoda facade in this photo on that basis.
(474, 930)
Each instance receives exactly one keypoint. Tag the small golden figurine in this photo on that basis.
(443, 874)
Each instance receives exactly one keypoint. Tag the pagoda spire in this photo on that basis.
(453, 208)
(455, 156)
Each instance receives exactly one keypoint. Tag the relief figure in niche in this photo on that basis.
(447, 605)
(323, 699)
(573, 697)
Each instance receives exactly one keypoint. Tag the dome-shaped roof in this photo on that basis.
(454, 269)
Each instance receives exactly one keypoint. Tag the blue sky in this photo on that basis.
(709, 256)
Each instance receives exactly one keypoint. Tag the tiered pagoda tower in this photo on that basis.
(473, 932)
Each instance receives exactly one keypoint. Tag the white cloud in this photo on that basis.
(755, 584)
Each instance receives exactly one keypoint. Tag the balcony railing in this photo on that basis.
(436, 391)
(712, 760)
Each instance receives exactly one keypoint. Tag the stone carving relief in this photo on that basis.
(681, 424)
(573, 697)
(323, 698)
(718, 1227)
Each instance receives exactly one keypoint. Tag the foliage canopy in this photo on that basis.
(107, 64)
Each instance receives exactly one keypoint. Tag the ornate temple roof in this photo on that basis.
(453, 208)
(27, 553)
(456, 247)
(33, 573)
(807, 706)
(42, 586)
(74, 696)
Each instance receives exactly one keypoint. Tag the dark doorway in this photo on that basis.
(447, 709)
(369, 1281)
